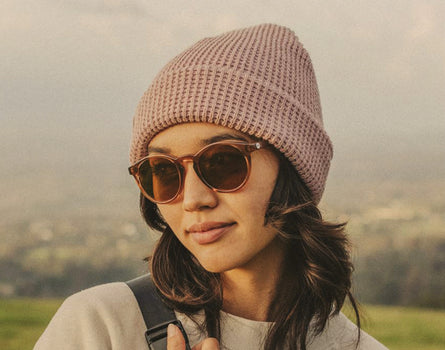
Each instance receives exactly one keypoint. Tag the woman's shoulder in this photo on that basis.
(107, 303)
(96, 318)
(101, 296)
(341, 333)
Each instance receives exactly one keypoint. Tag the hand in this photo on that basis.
(175, 341)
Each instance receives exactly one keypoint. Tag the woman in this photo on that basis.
(231, 157)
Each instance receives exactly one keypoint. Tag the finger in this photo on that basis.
(207, 344)
(175, 340)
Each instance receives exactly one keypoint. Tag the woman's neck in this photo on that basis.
(248, 291)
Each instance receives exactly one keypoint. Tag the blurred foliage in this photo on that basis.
(412, 273)
(49, 258)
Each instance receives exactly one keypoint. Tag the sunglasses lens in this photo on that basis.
(160, 178)
(223, 167)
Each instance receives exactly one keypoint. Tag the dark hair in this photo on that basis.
(315, 279)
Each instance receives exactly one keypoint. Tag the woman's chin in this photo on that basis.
(215, 264)
(220, 264)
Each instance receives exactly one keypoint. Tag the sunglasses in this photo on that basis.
(222, 166)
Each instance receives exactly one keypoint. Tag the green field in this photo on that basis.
(405, 328)
(23, 320)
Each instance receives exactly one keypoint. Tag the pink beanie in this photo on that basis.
(258, 80)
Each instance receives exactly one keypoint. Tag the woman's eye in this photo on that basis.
(217, 159)
(162, 170)
(158, 169)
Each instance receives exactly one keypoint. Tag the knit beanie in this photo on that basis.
(257, 80)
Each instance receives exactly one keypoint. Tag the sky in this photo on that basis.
(72, 72)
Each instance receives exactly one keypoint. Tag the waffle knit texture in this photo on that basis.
(257, 80)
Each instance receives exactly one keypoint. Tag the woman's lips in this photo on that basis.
(208, 232)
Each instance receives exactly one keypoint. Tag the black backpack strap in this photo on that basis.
(153, 309)
(156, 314)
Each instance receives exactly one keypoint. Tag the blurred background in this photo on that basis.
(72, 73)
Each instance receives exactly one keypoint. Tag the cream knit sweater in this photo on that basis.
(108, 317)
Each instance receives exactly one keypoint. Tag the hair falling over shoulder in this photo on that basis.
(315, 280)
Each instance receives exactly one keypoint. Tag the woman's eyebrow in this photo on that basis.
(154, 149)
(205, 142)
(223, 137)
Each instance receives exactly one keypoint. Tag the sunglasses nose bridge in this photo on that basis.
(181, 161)
(193, 159)
(186, 158)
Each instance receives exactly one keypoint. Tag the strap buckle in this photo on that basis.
(157, 336)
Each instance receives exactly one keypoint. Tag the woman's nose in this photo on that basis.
(196, 195)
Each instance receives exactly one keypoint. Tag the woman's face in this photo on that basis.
(224, 231)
